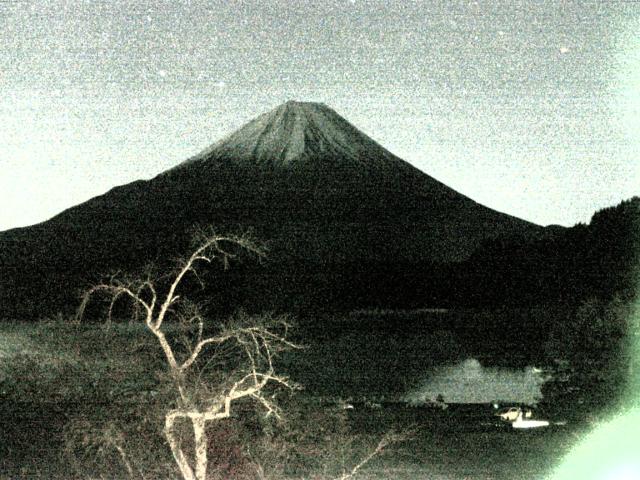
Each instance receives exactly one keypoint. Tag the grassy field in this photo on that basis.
(61, 383)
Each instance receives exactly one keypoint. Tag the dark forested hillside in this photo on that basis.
(600, 259)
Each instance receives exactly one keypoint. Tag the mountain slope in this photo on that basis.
(304, 163)
(327, 198)
(299, 133)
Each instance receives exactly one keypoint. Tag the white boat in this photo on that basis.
(510, 414)
(523, 423)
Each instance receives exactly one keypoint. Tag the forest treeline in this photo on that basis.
(565, 265)
(561, 265)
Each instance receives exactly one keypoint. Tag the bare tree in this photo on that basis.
(256, 341)
(388, 439)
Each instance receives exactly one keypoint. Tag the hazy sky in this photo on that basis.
(531, 108)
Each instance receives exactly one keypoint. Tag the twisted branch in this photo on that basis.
(259, 341)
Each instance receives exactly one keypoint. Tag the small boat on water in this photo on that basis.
(520, 418)
(524, 423)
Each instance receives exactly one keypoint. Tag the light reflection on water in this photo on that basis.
(470, 382)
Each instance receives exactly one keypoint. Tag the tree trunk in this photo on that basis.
(200, 435)
(178, 454)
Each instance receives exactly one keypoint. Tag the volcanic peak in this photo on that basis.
(298, 133)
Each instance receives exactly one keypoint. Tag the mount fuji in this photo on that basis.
(326, 198)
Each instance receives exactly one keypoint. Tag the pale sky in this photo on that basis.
(531, 108)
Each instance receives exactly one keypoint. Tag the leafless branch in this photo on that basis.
(256, 341)
(387, 440)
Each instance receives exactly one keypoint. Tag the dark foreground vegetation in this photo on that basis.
(88, 401)
(84, 401)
